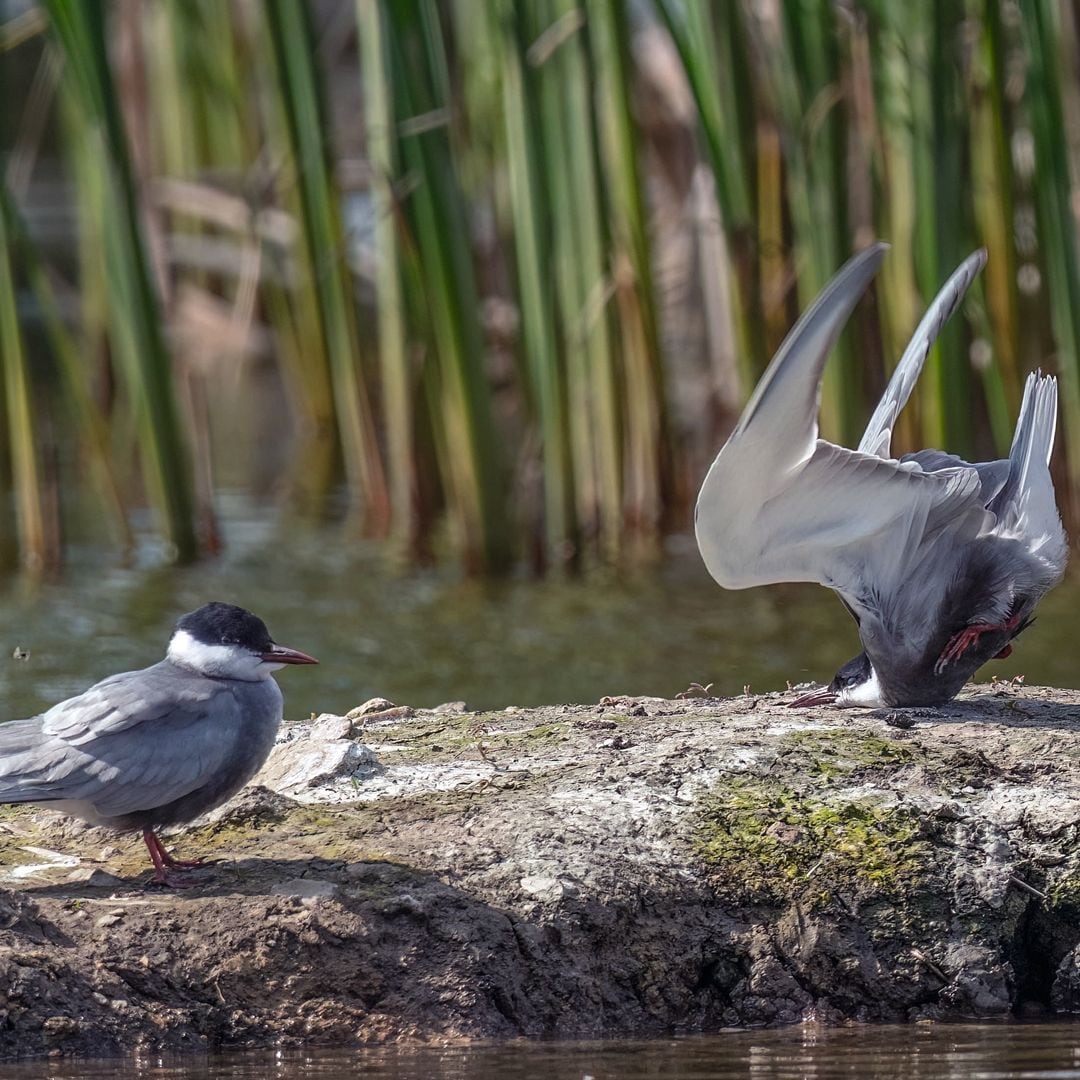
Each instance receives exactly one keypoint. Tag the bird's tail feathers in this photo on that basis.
(18, 740)
(1029, 489)
(1037, 424)
(1033, 440)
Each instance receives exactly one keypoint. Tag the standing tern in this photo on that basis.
(160, 746)
(939, 561)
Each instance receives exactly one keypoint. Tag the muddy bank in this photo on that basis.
(639, 866)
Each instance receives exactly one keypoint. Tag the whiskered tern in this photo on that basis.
(160, 746)
(940, 562)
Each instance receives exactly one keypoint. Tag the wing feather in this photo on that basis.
(134, 741)
(877, 439)
(779, 423)
(780, 504)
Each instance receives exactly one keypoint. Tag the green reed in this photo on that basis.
(134, 308)
(494, 372)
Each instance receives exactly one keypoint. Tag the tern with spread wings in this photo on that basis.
(940, 562)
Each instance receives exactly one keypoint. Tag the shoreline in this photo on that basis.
(636, 867)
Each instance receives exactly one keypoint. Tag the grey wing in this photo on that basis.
(780, 419)
(130, 743)
(126, 700)
(779, 504)
(844, 519)
(877, 439)
(993, 475)
(1025, 507)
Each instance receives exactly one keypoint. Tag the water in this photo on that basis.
(918, 1052)
(427, 637)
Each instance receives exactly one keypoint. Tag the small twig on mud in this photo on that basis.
(1014, 880)
(924, 959)
(695, 689)
(997, 682)
(422, 734)
(851, 907)
(217, 990)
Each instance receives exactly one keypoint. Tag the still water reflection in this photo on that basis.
(918, 1052)
(429, 637)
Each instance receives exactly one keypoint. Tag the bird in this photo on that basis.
(159, 746)
(940, 562)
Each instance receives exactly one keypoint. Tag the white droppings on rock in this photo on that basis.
(797, 723)
(401, 780)
(51, 861)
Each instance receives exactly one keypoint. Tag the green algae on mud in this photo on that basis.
(839, 753)
(763, 840)
(450, 736)
(799, 830)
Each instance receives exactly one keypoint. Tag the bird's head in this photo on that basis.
(227, 642)
(856, 683)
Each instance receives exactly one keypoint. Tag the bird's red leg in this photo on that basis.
(173, 862)
(961, 642)
(160, 858)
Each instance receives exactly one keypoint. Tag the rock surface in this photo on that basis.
(638, 866)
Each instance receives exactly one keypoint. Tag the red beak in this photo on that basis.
(278, 654)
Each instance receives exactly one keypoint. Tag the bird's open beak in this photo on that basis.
(278, 654)
(824, 696)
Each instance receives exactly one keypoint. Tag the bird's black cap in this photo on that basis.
(226, 624)
(853, 673)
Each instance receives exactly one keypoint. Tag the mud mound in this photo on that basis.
(636, 867)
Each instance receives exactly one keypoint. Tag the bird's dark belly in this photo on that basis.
(918, 684)
(253, 742)
(220, 788)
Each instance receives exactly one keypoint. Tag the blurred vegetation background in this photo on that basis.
(491, 278)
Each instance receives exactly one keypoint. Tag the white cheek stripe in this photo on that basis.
(186, 650)
(867, 693)
(227, 660)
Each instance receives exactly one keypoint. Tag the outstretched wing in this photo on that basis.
(132, 742)
(877, 439)
(780, 504)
